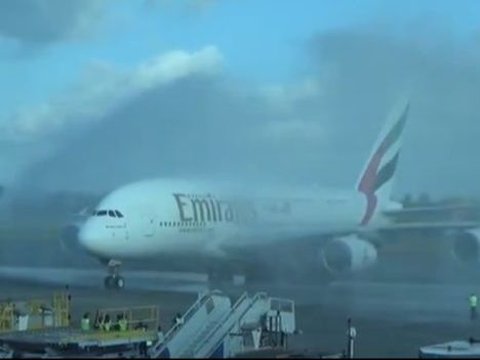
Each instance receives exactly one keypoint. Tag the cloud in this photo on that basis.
(316, 130)
(41, 22)
(103, 88)
(176, 114)
(364, 69)
(285, 98)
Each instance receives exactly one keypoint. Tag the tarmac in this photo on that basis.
(393, 319)
(404, 303)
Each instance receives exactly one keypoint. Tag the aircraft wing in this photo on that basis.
(451, 210)
(433, 225)
(435, 217)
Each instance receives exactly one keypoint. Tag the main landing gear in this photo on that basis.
(114, 280)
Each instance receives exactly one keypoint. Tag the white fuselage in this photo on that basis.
(162, 216)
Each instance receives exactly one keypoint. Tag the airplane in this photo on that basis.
(337, 230)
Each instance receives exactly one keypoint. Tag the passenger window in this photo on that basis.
(119, 214)
(111, 213)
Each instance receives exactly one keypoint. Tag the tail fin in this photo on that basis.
(377, 177)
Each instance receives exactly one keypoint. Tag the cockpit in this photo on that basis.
(110, 213)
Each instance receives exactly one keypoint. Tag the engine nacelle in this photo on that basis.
(466, 246)
(348, 254)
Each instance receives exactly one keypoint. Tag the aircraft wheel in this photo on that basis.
(119, 282)
(114, 282)
(109, 282)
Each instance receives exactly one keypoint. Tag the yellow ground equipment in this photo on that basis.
(35, 313)
(145, 318)
(7, 317)
(64, 341)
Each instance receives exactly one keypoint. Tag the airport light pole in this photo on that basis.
(351, 335)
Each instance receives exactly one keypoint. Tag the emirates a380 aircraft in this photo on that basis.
(168, 218)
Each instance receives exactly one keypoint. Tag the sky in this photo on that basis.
(99, 93)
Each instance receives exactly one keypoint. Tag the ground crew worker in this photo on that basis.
(473, 299)
(107, 323)
(122, 323)
(85, 322)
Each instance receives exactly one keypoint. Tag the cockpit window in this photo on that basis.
(110, 213)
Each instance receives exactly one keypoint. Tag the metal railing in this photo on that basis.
(212, 327)
(161, 345)
(190, 351)
(59, 305)
(136, 316)
(257, 297)
(7, 317)
(61, 308)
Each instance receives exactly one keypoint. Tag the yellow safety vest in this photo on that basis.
(122, 323)
(473, 301)
(85, 324)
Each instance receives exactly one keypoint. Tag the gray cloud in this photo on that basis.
(366, 68)
(182, 117)
(188, 128)
(39, 22)
(317, 131)
(35, 133)
(101, 88)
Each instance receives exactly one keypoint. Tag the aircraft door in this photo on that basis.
(149, 226)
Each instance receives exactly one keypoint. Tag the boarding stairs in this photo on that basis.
(264, 323)
(204, 315)
(214, 328)
(219, 341)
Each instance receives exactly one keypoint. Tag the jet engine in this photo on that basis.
(466, 246)
(348, 254)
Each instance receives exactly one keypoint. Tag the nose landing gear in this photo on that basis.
(114, 280)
